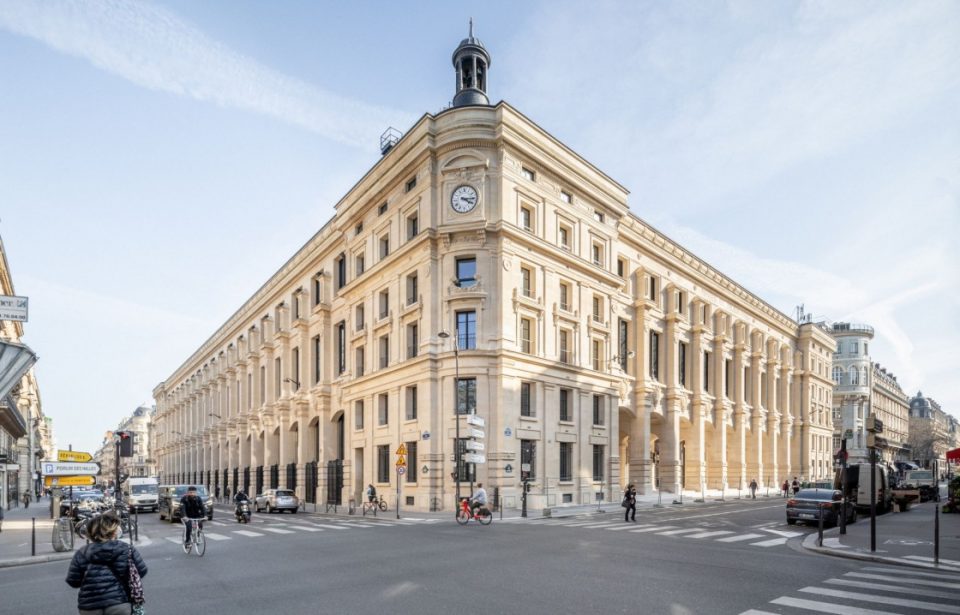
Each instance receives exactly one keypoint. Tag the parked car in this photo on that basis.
(168, 501)
(277, 499)
(808, 504)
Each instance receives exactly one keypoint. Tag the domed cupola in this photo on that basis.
(471, 61)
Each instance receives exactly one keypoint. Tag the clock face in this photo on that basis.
(463, 199)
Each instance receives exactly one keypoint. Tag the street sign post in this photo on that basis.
(473, 445)
(476, 433)
(75, 456)
(69, 481)
(473, 419)
(474, 458)
(14, 308)
(61, 468)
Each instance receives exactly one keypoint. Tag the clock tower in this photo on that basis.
(471, 61)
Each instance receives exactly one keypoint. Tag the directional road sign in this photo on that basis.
(473, 419)
(76, 456)
(474, 458)
(473, 445)
(475, 433)
(69, 481)
(62, 468)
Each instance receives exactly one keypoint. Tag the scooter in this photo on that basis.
(242, 512)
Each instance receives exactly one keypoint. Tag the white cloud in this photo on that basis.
(155, 49)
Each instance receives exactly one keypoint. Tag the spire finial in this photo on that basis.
(471, 27)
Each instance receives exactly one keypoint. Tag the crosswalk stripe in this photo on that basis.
(305, 528)
(916, 604)
(827, 607)
(220, 523)
(680, 531)
(247, 533)
(175, 541)
(756, 612)
(921, 558)
(927, 593)
(652, 528)
(709, 534)
(276, 530)
(769, 543)
(331, 527)
(897, 579)
(601, 526)
(354, 524)
(618, 528)
(215, 537)
(905, 572)
(739, 537)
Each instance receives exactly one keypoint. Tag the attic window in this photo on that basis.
(411, 184)
(528, 174)
(598, 216)
(383, 206)
(358, 228)
(565, 196)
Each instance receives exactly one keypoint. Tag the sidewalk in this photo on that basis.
(905, 539)
(16, 536)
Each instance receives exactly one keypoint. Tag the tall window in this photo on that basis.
(682, 363)
(412, 461)
(655, 355)
(467, 330)
(565, 413)
(727, 372)
(295, 368)
(383, 463)
(341, 347)
(413, 225)
(316, 359)
(263, 384)
(384, 351)
(413, 340)
(412, 289)
(528, 454)
(653, 290)
(526, 219)
(466, 272)
(359, 317)
(854, 376)
(564, 297)
(598, 410)
(384, 303)
(597, 462)
(564, 346)
(598, 308)
(385, 246)
(411, 403)
(566, 461)
(623, 333)
(316, 290)
(706, 372)
(358, 414)
(526, 282)
(596, 349)
(341, 268)
(854, 347)
(467, 471)
(564, 238)
(837, 374)
(359, 361)
(621, 267)
(383, 409)
(596, 252)
(525, 340)
(526, 402)
(359, 263)
(467, 396)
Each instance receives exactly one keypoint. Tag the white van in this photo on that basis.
(858, 486)
(140, 493)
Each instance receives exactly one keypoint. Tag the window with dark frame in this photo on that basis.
(383, 409)
(341, 267)
(598, 462)
(358, 414)
(341, 347)
(566, 462)
(598, 410)
(411, 395)
(466, 272)
(682, 363)
(382, 209)
(359, 263)
(727, 365)
(411, 184)
(359, 361)
(526, 283)
(564, 346)
(623, 337)
(413, 340)
(359, 317)
(384, 351)
(384, 303)
(316, 290)
(706, 372)
(655, 355)
(564, 297)
(565, 410)
(621, 267)
(412, 289)
(467, 330)
(384, 247)
(412, 461)
(528, 454)
(316, 359)
(525, 332)
(383, 463)
(295, 367)
(526, 403)
(467, 396)
(413, 225)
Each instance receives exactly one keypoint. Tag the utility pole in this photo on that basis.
(874, 427)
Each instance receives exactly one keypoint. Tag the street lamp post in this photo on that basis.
(456, 409)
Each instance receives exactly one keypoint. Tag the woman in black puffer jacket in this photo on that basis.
(101, 571)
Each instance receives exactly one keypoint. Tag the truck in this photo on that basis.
(858, 486)
(922, 480)
(140, 493)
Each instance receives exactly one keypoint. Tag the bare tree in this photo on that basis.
(925, 443)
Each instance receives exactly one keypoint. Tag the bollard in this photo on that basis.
(936, 534)
(33, 535)
(820, 529)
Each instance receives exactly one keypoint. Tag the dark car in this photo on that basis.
(808, 504)
(168, 501)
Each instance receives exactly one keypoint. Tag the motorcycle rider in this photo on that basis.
(238, 500)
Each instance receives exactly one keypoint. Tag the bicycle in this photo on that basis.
(198, 543)
(379, 503)
(465, 514)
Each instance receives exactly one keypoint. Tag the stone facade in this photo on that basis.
(140, 464)
(889, 403)
(927, 416)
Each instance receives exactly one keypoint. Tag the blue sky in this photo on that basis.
(159, 161)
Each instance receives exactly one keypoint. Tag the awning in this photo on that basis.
(954, 455)
(11, 420)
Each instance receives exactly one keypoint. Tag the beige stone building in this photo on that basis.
(140, 464)
(595, 349)
(889, 403)
(931, 429)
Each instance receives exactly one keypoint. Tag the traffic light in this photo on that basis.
(126, 443)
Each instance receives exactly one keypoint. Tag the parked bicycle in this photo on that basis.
(465, 514)
(197, 541)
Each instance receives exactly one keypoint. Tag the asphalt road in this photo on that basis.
(713, 559)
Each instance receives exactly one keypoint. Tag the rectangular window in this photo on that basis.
(526, 219)
(295, 368)
(413, 225)
(597, 254)
(526, 282)
(358, 414)
(383, 409)
(316, 359)
(854, 347)
(623, 336)
(598, 409)
(726, 377)
(341, 267)
(565, 196)
(525, 339)
(384, 303)
(597, 308)
(564, 238)
(528, 174)
(595, 351)
(528, 454)
(526, 404)
(413, 290)
(599, 217)
(382, 209)
(564, 297)
(341, 347)
(358, 228)
(466, 471)
(316, 290)
(565, 410)
(411, 399)
(383, 463)
(566, 462)
(653, 292)
(359, 361)
(467, 396)
(655, 355)
(384, 247)
(412, 462)
(413, 340)
(295, 302)
(466, 272)
(682, 363)
(411, 184)
(359, 317)
(598, 462)
(621, 267)
(564, 346)
(706, 372)
(467, 330)
(384, 351)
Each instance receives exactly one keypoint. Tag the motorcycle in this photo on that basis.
(242, 512)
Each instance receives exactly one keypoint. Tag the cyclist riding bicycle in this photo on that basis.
(192, 508)
(478, 499)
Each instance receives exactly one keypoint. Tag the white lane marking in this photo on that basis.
(221, 523)
(306, 528)
(921, 558)
(756, 612)
(580, 524)
(769, 543)
(353, 524)
(905, 572)
(729, 512)
(601, 526)
(916, 604)
(739, 537)
(652, 528)
(331, 527)
(897, 579)
(175, 541)
(827, 607)
(618, 528)
(709, 534)
(247, 533)
(927, 593)
(785, 533)
(276, 530)
(215, 537)
(680, 531)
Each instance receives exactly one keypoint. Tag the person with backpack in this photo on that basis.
(107, 571)
(630, 503)
(795, 485)
(753, 489)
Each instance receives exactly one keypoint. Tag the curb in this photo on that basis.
(809, 544)
(37, 559)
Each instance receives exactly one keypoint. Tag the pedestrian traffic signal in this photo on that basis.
(126, 443)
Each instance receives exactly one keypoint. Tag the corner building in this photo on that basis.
(596, 350)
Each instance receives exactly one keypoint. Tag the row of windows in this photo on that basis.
(384, 459)
(340, 263)
(383, 408)
(528, 459)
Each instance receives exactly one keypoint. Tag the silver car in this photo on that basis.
(277, 499)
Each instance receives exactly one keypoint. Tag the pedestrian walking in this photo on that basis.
(785, 488)
(1, 518)
(102, 570)
(26, 499)
(630, 503)
(753, 489)
(216, 492)
(795, 485)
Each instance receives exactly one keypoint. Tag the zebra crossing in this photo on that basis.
(874, 590)
(763, 536)
(218, 531)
